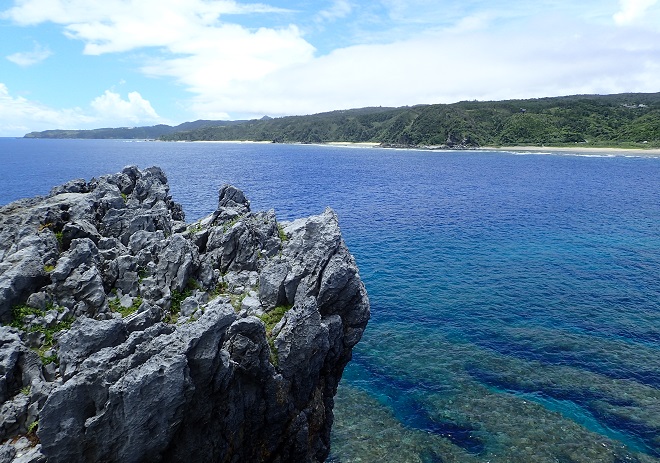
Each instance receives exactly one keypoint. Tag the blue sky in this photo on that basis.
(110, 63)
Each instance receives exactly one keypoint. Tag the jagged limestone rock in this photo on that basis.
(10, 350)
(153, 340)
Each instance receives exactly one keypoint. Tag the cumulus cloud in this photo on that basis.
(201, 50)
(632, 10)
(477, 50)
(232, 54)
(111, 107)
(536, 60)
(123, 25)
(28, 58)
(19, 115)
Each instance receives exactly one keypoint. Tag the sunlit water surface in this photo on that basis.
(515, 297)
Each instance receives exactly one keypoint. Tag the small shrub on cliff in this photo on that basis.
(33, 427)
(60, 237)
(32, 433)
(195, 228)
(19, 312)
(177, 298)
(281, 233)
(50, 332)
(220, 288)
(229, 224)
(271, 319)
(236, 300)
(116, 306)
(48, 359)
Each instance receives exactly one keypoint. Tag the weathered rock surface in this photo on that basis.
(129, 336)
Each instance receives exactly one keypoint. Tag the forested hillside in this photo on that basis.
(624, 120)
(128, 133)
(610, 120)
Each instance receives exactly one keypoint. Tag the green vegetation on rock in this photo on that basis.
(32, 428)
(282, 234)
(116, 306)
(177, 298)
(271, 319)
(26, 318)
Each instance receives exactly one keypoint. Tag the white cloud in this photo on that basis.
(111, 107)
(28, 58)
(632, 10)
(338, 10)
(465, 50)
(19, 115)
(231, 54)
(123, 25)
(30, 12)
(201, 51)
(536, 60)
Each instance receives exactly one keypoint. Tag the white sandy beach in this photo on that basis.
(226, 141)
(577, 150)
(353, 145)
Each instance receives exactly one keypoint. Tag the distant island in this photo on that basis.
(627, 120)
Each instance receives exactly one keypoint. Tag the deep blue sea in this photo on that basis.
(515, 297)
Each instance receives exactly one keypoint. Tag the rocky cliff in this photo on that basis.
(130, 336)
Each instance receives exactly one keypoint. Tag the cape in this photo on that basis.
(130, 336)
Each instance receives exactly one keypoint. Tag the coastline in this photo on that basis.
(349, 144)
(580, 150)
(222, 141)
(568, 150)
(345, 144)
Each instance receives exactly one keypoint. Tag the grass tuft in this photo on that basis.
(271, 319)
(20, 312)
(281, 233)
(195, 228)
(33, 427)
(116, 306)
(175, 305)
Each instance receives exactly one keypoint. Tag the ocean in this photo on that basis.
(515, 296)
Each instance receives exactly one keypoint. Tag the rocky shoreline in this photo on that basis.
(128, 335)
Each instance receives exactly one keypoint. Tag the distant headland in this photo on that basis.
(627, 120)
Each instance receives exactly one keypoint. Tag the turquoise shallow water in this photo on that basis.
(515, 298)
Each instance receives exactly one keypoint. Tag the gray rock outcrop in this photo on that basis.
(130, 336)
